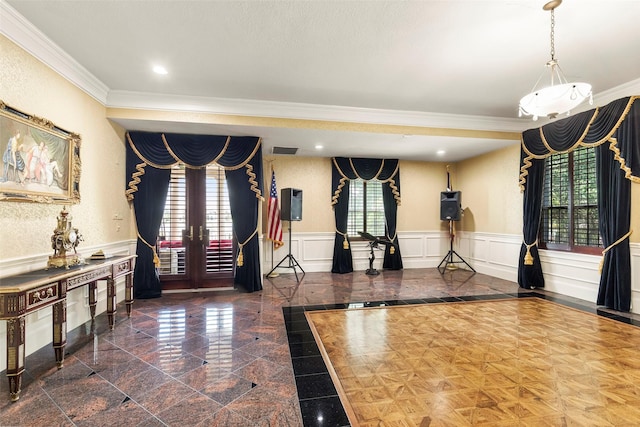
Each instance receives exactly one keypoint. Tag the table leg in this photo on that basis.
(93, 299)
(15, 356)
(111, 302)
(128, 299)
(60, 330)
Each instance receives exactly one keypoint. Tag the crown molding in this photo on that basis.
(23, 33)
(624, 90)
(290, 110)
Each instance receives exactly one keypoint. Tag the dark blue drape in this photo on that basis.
(614, 215)
(149, 159)
(345, 169)
(148, 206)
(342, 257)
(614, 127)
(529, 268)
(244, 212)
(392, 256)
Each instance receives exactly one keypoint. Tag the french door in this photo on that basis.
(195, 244)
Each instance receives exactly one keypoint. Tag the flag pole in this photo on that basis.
(273, 273)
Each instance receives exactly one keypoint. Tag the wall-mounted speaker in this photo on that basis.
(291, 204)
(450, 205)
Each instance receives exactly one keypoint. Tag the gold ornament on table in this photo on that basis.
(64, 241)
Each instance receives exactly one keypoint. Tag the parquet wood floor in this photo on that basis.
(520, 362)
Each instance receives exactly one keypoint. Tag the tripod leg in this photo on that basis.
(277, 265)
(297, 264)
(465, 262)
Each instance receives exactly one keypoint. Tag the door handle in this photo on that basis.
(204, 235)
(190, 235)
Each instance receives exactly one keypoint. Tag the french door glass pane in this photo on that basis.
(170, 249)
(219, 251)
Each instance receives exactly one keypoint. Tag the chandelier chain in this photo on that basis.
(553, 26)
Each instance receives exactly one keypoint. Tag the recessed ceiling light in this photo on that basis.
(440, 152)
(319, 147)
(159, 69)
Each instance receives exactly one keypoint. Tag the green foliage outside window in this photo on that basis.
(570, 201)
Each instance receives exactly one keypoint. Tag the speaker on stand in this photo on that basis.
(290, 210)
(451, 210)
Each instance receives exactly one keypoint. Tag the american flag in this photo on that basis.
(274, 228)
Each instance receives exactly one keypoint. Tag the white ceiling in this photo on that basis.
(432, 64)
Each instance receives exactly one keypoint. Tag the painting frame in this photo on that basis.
(40, 161)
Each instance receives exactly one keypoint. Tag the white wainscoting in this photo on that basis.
(39, 324)
(496, 255)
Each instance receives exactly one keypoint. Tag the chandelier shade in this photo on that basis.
(560, 96)
(555, 99)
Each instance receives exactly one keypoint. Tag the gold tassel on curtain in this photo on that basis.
(240, 259)
(156, 259)
(345, 242)
(528, 258)
(392, 249)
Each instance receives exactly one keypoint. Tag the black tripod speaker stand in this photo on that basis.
(292, 262)
(448, 260)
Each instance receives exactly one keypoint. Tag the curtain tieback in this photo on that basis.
(156, 259)
(528, 258)
(241, 245)
(392, 249)
(345, 242)
(611, 247)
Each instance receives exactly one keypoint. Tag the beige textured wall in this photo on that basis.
(420, 185)
(30, 86)
(312, 175)
(490, 193)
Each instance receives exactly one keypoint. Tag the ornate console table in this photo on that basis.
(29, 292)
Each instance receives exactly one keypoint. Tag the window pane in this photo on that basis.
(356, 207)
(375, 209)
(170, 248)
(586, 227)
(219, 255)
(556, 225)
(585, 192)
(585, 195)
(366, 208)
(570, 200)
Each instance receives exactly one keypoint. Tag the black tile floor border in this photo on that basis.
(319, 401)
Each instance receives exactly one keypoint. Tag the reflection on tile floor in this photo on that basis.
(222, 358)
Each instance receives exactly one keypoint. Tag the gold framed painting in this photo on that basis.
(40, 161)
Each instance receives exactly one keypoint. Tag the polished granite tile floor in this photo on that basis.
(225, 358)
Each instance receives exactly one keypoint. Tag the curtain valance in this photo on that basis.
(164, 150)
(614, 123)
(383, 170)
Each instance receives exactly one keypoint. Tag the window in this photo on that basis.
(366, 208)
(570, 203)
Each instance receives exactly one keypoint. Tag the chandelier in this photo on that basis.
(561, 96)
